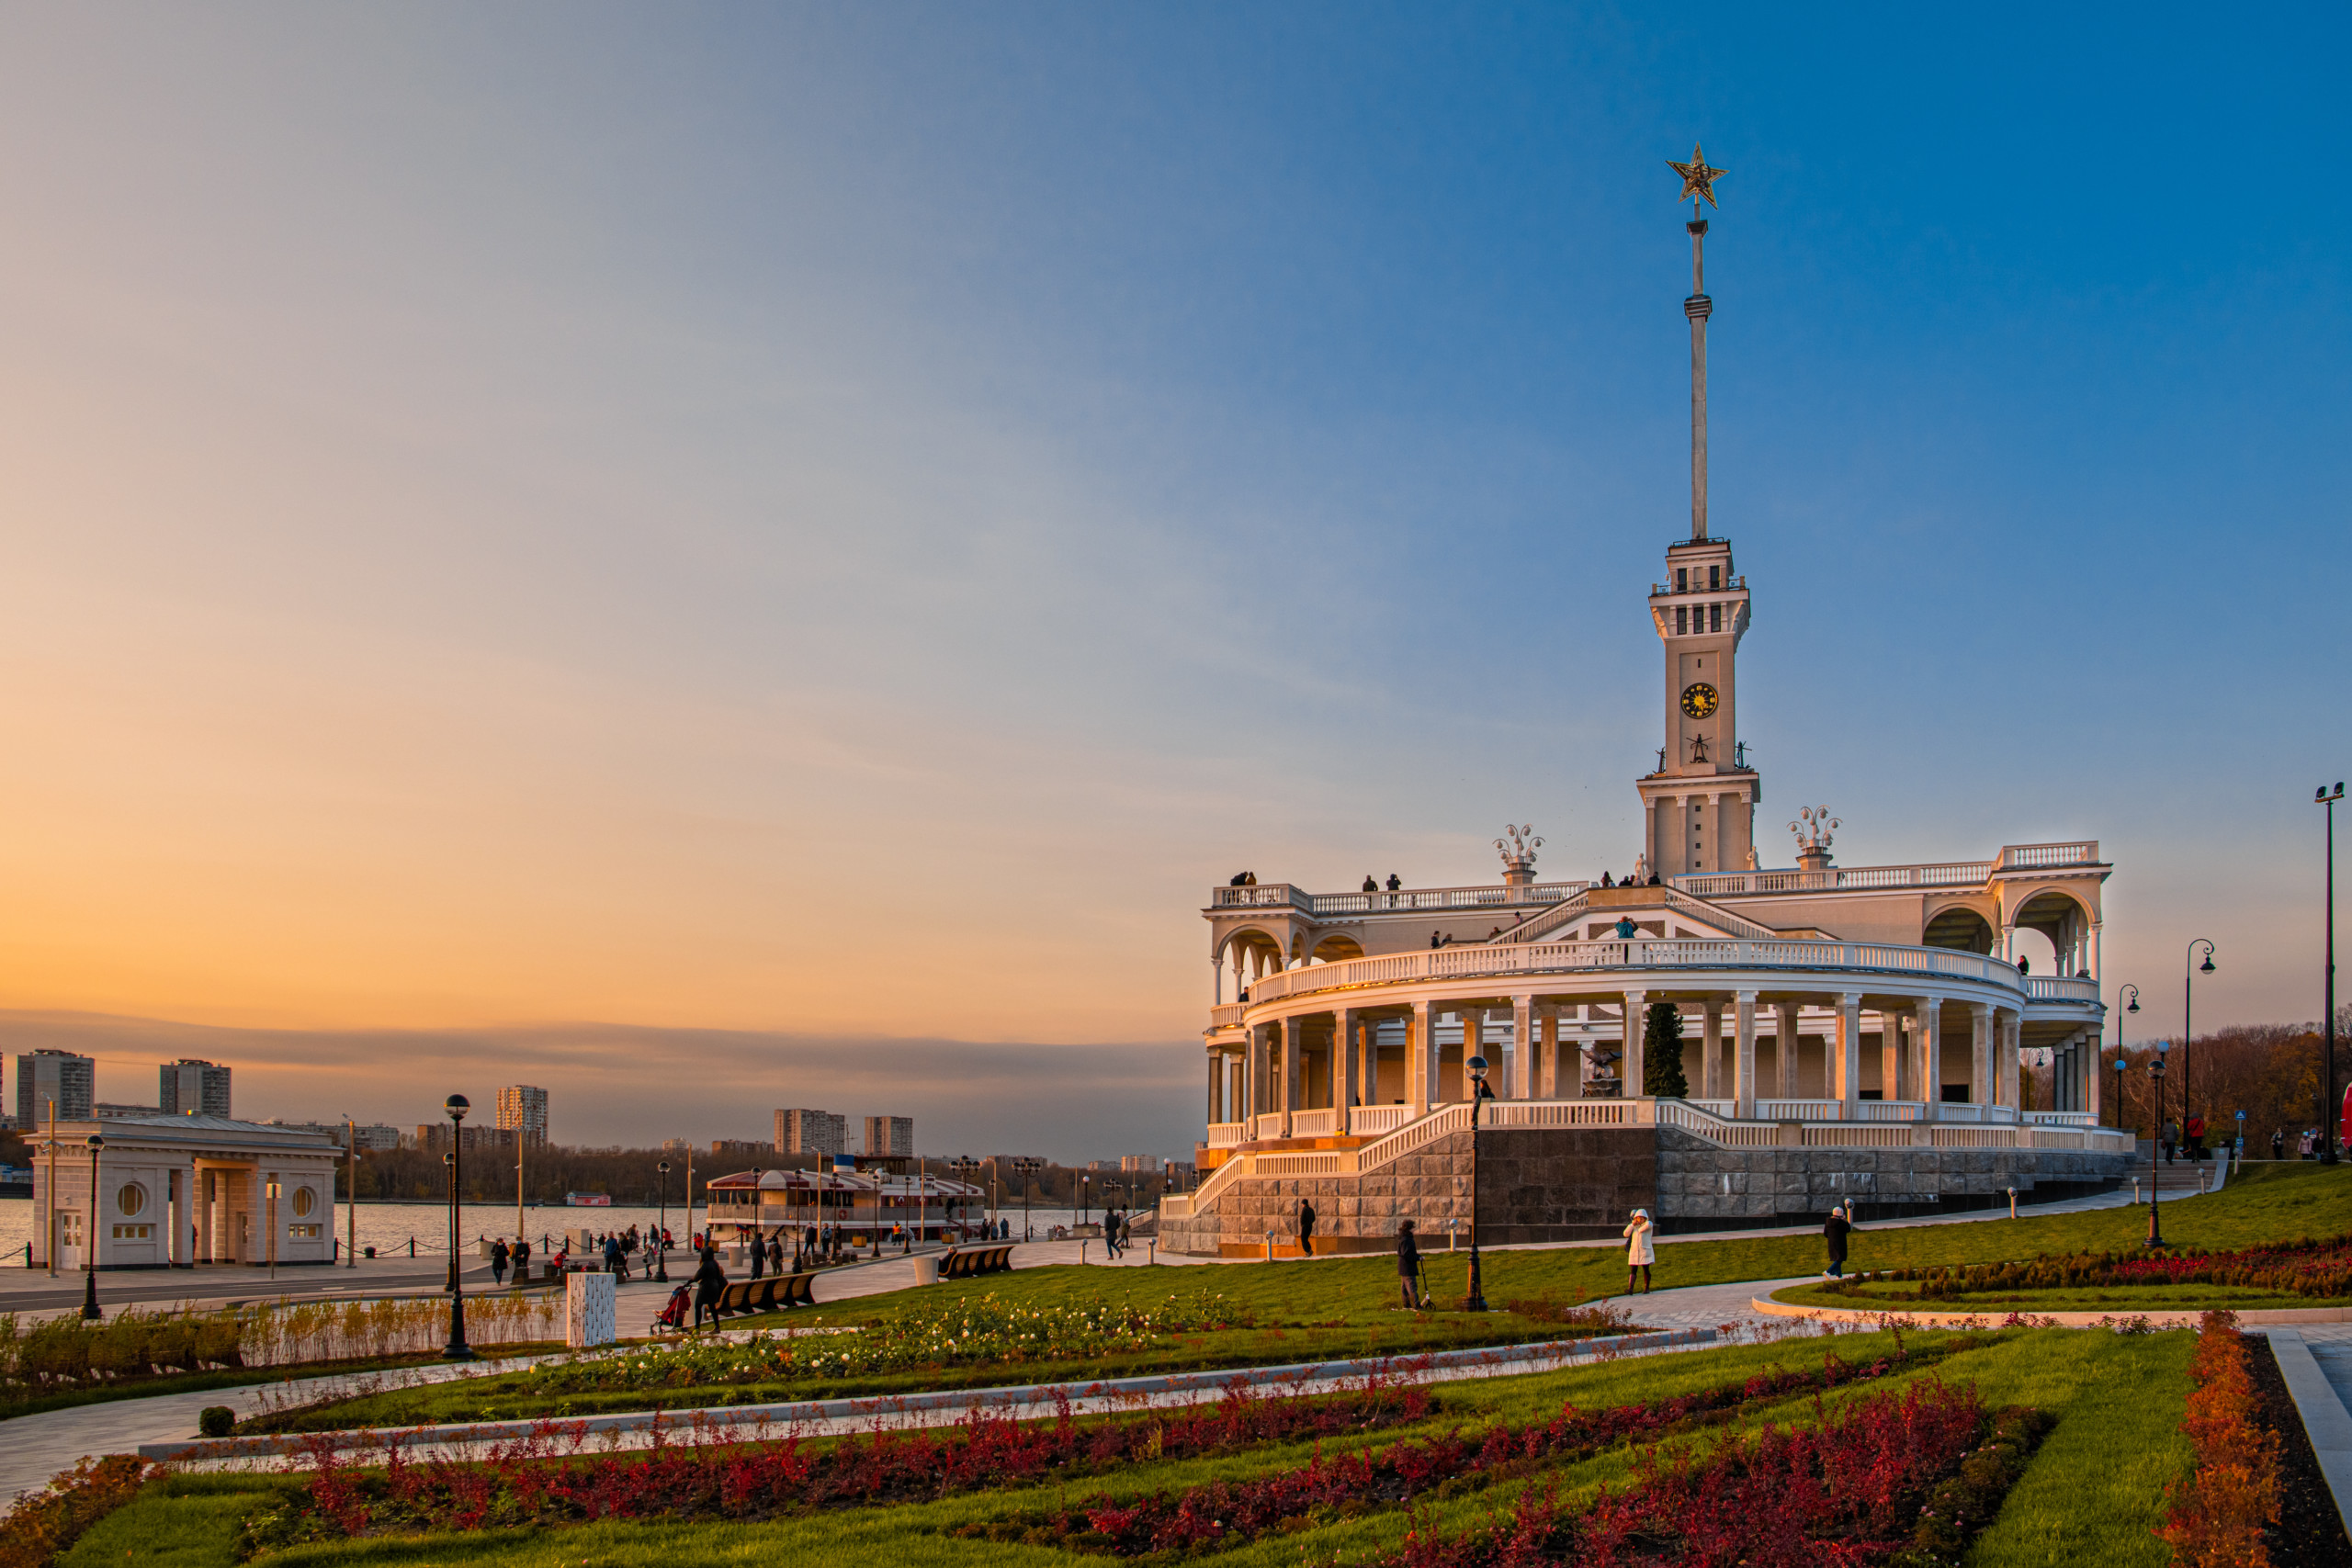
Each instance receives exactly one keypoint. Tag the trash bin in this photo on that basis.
(926, 1269)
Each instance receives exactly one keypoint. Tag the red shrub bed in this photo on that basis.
(2321, 1269)
(1224, 1512)
(2219, 1509)
(44, 1524)
(1859, 1488)
(545, 1480)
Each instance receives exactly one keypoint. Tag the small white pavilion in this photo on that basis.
(174, 1191)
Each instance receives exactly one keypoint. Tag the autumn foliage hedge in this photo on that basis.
(2219, 1508)
(2321, 1269)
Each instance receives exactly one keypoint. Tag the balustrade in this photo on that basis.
(1890, 1111)
(1269, 1125)
(1313, 1123)
(1369, 1121)
(1226, 1135)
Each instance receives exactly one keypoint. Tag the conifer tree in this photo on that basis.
(1662, 1054)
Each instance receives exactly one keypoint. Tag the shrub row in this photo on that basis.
(546, 1479)
(1220, 1512)
(2219, 1508)
(44, 1524)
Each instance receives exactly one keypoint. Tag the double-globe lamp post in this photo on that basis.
(2156, 1169)
(456, 1105)
(2330, 1109)
(963, 1166)
(1480, 1094)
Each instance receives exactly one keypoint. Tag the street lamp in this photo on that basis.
(273, 1227)
(2120, 1063)
(2157, 1171)
(662, 1237)
(90, 1250)
(2329, 1110)
(1085, 1194)
(1479, 1093)
(2189, 969)
(456, 1105)
(1026, 1167)
(964, 1167)
(351, 1194)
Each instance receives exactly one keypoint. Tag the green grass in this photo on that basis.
(1895, 1295)
(29, 1402)
(2093, 1494)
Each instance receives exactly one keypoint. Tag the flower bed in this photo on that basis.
(2219, 1508)
(984, 1330)
(2321, 1269)
(548, 1481)
(1901, 1479)
(1221, 1512)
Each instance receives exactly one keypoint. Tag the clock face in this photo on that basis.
(1699, 699)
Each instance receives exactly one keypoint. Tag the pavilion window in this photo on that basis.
(1716, 578)
(1681, 621)
(1682, 580)
(1714, 617)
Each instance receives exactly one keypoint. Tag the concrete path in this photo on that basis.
(2316, 1363)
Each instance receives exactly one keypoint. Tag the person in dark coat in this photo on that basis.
(1408, 1266)
(1834, 1232)
(759, 1254)
(498, 1261)
(776, 1253)
(710, 1283)
(1306, 1228)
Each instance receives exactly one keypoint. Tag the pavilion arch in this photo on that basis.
(1246, 939)
(2061, 918)
(1961, 926)
(1336, 946)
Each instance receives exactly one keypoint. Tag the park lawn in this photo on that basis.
(2095, 1486)
(15, 1402)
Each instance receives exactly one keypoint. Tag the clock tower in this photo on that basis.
(1698, 807)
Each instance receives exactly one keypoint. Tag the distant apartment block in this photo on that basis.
(435, 1136)
(811, 1133)
(112, 1111)
(1148, 1164)
(46, 1078)
(523, 1111)
(193, 1088)
(738, 1147)
(889, 1135)
(369, 1135)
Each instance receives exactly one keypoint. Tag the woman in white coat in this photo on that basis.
(1639, 1252)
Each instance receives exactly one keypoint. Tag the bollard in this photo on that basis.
(1081, 1254)
(411, 1247)
(2013, 1203)
(2135, 1191)
(1150, 1253)
(1270, 1246)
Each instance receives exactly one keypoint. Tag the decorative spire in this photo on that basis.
(1812, 831)
(1698, 184)
(1517, 846)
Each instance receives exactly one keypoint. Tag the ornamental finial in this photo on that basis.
(1517, 845)
(1812, 831)
(1698, 180)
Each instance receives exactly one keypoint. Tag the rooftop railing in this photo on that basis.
(1864, 878)
(1285, 896)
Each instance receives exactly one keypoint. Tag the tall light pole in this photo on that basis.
(2329, 1110)
(2120, 1009)
(662, 1237)
(965, 1168)
(456, 1105)
(2189, 969)
(273, 1227)
(1026, 1166)
(520, 1139)
(351, 1194)
(2157, 1171)
(90, 1241)
(1480, 1094)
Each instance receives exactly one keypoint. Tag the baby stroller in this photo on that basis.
(678, 1314)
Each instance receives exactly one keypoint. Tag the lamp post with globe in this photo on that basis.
(2156, 1171)
(2134, 991)
(90, 1241)
(1480, 1094)
(456, 1105)
(662, 1235)
(2190, 970)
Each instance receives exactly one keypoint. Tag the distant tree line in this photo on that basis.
(2270, 1071)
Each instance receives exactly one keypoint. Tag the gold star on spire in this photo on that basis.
(1698, 180)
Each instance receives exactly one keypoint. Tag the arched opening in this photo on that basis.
(2063, 926)
(1332, 949)
(1959, 927)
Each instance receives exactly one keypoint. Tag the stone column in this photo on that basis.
(1216, 1069)
(1216, 991)
(2098, 972)
(1547, 1054)
(1848, 1046)
(1367, 1090)
(1629, 1071)
(1347, 1070)
(2011, 1029)
(1711, 1072)
(1785, 1047)
(1294, 1058)
(1980, 1054)
(1421, 1058)
(1522, 1048)
(2093, 1079)
(1743, 1061)
(1253, 1049)
(1893, 1080)
(1929, 1052)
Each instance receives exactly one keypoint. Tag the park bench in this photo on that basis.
(795, 1291)
(735, 1301)
(966, 1262)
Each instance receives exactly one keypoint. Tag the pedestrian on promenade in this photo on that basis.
(1640, 1251)
(1408, 1268)
(498, 1261)
(2277, 1143)
(1306, 1228)
(1834, 1232)
(776, 1253)
(759, 1254)
(710, 1283)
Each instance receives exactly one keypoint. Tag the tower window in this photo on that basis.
(1714, 617)
(1682, 580)
(1681, 621)
(1716, 577)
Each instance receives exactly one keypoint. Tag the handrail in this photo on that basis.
(1948, 873)
(1472, 961)
(2061, 988)
(1478, 895)
(1550, 920)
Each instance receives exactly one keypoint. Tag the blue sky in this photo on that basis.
(837, 525)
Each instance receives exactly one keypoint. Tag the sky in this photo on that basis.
(728, 557)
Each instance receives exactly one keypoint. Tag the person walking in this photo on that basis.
(759, 1254)
(1306, 1228)
(2277, 1143)
(710, 1283)
(498, 1261)
(1640, 1251)
(776, 1253)
(2172, 1140)
(1408, 1268)
(1834, 1232)
(522, 1261)
(1126, 1232)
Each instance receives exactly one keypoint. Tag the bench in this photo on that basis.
(762, 1297)
(966, 1262)
(735, 1301)
(795, 1291)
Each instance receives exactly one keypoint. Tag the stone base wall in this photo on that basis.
(1577, 1184)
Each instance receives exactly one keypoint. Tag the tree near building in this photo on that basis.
(1662, 1054)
